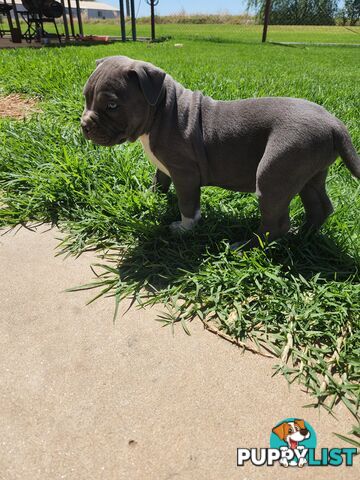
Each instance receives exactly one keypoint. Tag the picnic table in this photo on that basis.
(5, 10)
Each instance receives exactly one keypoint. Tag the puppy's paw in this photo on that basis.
(185, 224)
(283, 462)
(181, 227)
(256, 241)
(178, 228)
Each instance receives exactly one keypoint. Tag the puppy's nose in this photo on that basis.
(87, 121)
(85, 126)
(304, 431)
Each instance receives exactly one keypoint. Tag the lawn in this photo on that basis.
(298, 298)
(237, 33)
(221, 33)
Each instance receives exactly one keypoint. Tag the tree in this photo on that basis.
(352, 11)
(298, 12)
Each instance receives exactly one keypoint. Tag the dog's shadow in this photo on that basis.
(161, 259)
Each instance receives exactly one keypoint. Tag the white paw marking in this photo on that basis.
(186, 223)
(146, 146)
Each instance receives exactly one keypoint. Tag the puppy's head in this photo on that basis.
(119, 97)
(292, 432)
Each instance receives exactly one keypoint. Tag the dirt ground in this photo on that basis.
(17, 106)
(83, 398)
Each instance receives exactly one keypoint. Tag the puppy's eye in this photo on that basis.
(112, 106)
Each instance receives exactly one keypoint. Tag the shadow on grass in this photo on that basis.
(160, 258)
(316, 254)
(218, 40)
(311, 44)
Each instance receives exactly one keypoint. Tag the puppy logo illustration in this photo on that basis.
(293, 436)
(293, 444)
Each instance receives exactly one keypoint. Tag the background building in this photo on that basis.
(89, 9)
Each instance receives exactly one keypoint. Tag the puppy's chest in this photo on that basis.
(155, 161)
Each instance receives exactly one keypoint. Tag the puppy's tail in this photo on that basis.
(346, 149)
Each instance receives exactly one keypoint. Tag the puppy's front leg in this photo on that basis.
(283, 460)
(188, 193)
(161, 182)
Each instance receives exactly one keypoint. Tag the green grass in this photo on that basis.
(300, 298)
(223, 33)
(237, 33)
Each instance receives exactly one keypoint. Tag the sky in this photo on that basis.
(167, 7)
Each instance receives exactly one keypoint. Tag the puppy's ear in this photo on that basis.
(281, 430)
(122, 58)
(151, 81)
(99, 61)
(300, 423)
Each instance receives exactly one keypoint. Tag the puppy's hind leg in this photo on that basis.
(275, 220)
(275, 191)
(316, 201)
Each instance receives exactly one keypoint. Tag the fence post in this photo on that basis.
(78, 14)
(71, 19)
(16, 16)
(152, 8)
(266, 19)
(122, 21)
(66, 28)
(133, 20)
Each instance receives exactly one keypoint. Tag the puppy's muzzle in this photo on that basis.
(88, 123)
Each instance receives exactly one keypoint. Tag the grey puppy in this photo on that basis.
(277, 147)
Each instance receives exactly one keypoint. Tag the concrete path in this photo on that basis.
(81, 398)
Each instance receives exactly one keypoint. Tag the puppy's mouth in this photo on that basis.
(110, 142)
(106, 141)
(293, 444)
